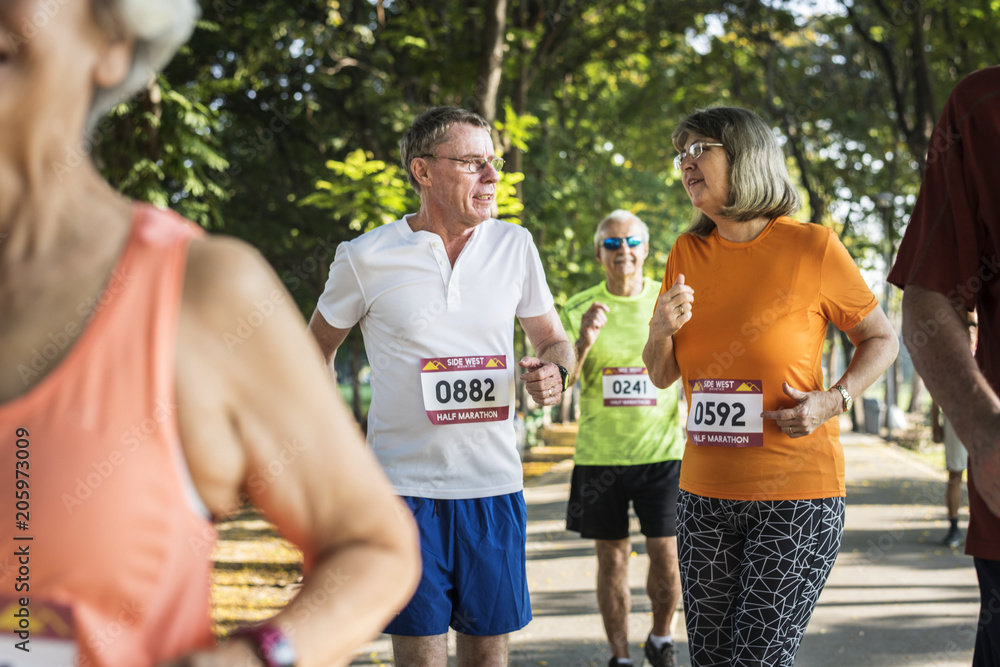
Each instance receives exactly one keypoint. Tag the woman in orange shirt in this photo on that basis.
(152, 377)
(741, 320)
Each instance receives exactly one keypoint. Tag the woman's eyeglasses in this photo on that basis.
(616, 243)
(694, 151)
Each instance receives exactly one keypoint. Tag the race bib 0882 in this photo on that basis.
(726, 413)
(463, 390)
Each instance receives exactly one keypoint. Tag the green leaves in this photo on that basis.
(280, 121)
(516, 130)
(363, 193)
(508, 204)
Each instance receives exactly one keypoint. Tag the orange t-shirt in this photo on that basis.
(759, 319)
(105, 561)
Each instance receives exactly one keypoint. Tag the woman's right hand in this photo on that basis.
(673, 309)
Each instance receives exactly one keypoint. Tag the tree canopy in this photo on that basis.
(279, 122)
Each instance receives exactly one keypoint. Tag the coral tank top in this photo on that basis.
(104, 557)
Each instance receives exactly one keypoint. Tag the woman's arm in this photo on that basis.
(877, 347)
(260, 418)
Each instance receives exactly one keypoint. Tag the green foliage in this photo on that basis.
(163, 148)
(508, 204)
(517, 130)
(363, 193)
(280, 122)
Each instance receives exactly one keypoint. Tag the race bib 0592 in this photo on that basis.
(726, 413)
(463, 390)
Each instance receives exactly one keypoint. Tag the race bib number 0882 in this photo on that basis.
(463, 390)
(726, 413)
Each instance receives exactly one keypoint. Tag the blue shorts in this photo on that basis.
(474, 571)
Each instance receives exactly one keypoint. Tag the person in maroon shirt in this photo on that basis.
(948, 263)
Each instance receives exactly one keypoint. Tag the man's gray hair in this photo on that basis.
(621, 215)
(430, 129)
(159, 28)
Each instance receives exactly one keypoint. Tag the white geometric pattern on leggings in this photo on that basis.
(790, 545)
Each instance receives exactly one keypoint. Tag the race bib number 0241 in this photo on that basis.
(464, 390)
(627, 386)
(726, 413)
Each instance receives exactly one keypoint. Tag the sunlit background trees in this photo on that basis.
(280, 121)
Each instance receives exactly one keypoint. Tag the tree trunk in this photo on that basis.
(918, 389)
(519, 99)
(491, 62)
(831, 344)
(356, 383)
(565, 406)
(524, 402)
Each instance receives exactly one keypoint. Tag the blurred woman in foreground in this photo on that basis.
(134, 406)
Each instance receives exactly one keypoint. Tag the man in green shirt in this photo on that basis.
(630, 440)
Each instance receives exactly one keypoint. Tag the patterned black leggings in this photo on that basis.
(752, 572)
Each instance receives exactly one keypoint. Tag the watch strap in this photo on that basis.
(565, 375)
(848, 401)
(272, 646)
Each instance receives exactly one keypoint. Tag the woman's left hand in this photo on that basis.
(814, 408)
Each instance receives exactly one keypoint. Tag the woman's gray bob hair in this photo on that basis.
(159, 27)
(759, 184)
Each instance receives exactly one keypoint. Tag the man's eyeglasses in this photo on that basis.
(694, 151)
(473, 165)
(616, 243)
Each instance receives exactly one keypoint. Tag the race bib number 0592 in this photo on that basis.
(464, 390)
(726, 413)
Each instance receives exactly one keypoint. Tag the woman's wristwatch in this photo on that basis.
(848, 401)
(271, 645)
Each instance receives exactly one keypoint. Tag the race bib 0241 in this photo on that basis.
(726, 413)
(464, 390)
(627, 386)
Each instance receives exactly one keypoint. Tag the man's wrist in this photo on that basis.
(564, 374)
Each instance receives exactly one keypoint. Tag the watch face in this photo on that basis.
(563, 374)
(848, 401)
(283, 653)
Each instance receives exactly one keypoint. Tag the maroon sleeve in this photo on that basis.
(950, 242)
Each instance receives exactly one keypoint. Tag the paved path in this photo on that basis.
(895, 598)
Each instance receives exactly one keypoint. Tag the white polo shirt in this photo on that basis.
(440, 341)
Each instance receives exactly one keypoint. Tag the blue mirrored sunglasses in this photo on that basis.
(616, 243)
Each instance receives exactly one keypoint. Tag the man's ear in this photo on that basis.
(421, 174)
(114, 63)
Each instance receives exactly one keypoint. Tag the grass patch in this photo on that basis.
(917, 440)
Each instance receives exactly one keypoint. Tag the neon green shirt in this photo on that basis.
(624, 419)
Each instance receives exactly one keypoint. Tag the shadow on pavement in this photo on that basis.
(889, 641)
